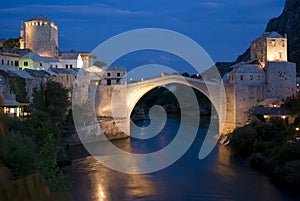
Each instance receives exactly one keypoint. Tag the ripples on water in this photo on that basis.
(219, 177)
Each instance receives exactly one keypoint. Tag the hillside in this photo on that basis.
(287, 23)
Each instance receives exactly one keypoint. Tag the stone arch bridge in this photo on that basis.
(114, 104)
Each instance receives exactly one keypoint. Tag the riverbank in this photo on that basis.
(267, 148)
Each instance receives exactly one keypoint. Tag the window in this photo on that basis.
(2, 61)
(55, 66)
(283, 44)
(118, 74)
(108, 82)
(280, 55)
(8, 62)
(108, 75)
(71, 66)
(251, 77)
(25, 63)
(12, 63)
(16, 63)
(241, 77)
(258, 77)
(67, 66)
(41, 64)
(273, 43)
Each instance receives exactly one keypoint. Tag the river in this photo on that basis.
(219, 177)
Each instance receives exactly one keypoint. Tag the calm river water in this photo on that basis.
(219, 177)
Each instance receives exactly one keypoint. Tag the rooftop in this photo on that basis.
(40, 17)
(271, 111)
(272, 34)
(35, 57)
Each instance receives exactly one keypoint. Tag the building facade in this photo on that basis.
(267, 75)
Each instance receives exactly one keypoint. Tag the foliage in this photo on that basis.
(100, 64)
(242, 139)
(287, 153)
(18, 86)
(22, 154)
(47, 165)
(57, 101)
(271, 146)
(39, 101)
(53, 100)
(185, 74)
(34, 144)
(11, 42)
(293, 106)
(3, 132)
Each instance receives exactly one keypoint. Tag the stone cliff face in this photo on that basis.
(287, 23)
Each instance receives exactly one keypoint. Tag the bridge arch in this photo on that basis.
(213, 91)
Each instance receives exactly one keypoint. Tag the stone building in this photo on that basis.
(267, 75)
(114, 76)
(40, 35)
(33, 61)
(72, 59)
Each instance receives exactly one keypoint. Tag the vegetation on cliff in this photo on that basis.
(34, 144)
(271, 147)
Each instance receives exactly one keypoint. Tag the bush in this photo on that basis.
(22, 154)
(242, 140)
(287, 153)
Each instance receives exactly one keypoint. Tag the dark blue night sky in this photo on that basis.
(224, 28)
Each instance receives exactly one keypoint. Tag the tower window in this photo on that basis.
(241, 77)
(25, 63)
(2, 61)
(16, 63)
(251, 77)
(8, 62)
(108, 74)
(280, 55)
(71, 66)
(258, 78)
(283, 44)
(67, 66)
(41, 64)
(273, 43)
(118, 74)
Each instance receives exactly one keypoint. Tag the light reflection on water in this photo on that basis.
(219, 177)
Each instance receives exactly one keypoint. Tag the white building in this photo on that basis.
(267, 75)
(69, 60)
(33, 61)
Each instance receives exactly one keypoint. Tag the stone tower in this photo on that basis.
(269, 47)
(271, 52)
(41, 36)
(267, 75)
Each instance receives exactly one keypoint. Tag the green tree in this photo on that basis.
(3, 131)
(53, 100)
(18, 86)
(47, 165)
(39, 101)
(57, 101)
(11, 42)
(100, 64)
(22, 154)
(242, 140)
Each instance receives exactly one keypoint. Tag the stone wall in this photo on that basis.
(111, 110)
(281, 79)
